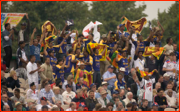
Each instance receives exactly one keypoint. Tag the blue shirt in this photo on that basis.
(108, 75)
(111, 46)
(89, 60)
(88, 41)
(35, 50)
(48, 95)
(62, 49)
(123, 63)
(126, 34)
(59, 73)
(177, 55)
(97, 95)
(142, 45)
(70, 69)
(53, 62)
(96, 62)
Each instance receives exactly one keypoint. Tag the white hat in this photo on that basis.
(166, 75)
(103, 83)
(122, 69)
(80, 63)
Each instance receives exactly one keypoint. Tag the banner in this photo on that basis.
(100, 48)
(137, 24)
(144, 73)
(49, 27)
(151, 50)
(113, 59)
(12, 18)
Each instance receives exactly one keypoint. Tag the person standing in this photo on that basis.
(23, 35)
(32, 71)
(7, 36)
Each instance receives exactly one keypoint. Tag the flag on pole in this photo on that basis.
(87, 28)
(138, 24)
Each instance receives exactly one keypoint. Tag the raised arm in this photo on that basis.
(63, 29)
(32, 37)
(104, 50)
(159, 24)
(150, 36)
(91, 50)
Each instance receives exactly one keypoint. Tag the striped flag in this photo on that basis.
(156, 51)
(144, 73)
(113, 59)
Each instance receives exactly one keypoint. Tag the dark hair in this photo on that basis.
(38, 35)
(115, 98)
(109, 104)
(46, 84)
(168, 39)
(172, 54)
(17, 90)
(129, 105)
(71, 104)
(160, 89)
(77, 49)
(70, 51)
(144, 100)
(157, 43)
(86, 51)
(59, 60)
(51, 40)
(44, 107)
(91, 91)
(140, 51)
(21, 42)
(58, 81)
(46, 58)
(39, 62)
(94, 50)
(91, 34)
(5, 87)
(103, 109)
(43, 83)
(80, 35)
(6, 25)
(31, 56)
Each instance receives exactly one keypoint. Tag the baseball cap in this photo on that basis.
(110, 66)
(115, 92)
(121, 25)
(92, 85)
(23, 24)
(44, 98)
(155, 104)
(82, 105)
(68, 86)
(166, 75)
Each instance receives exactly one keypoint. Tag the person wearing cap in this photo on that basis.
(32, 71)
(68, 95)
(34, 45)
(93, 87)
(57, 94)
(155, 106)
(96, 64)
(105, 86)
(7, 36)
(161, 100)
(110, 77)
(71, 67)
(22, 56)
(170, 66)
(47, 74)
(103, 100)
(19, 107)
(91, 101)
(32, 93)
(43, 102)
(98, 95)
(79, 99)
(103, 39)
(72, 106)
(120, 84)
(81, 106)
(121, 30)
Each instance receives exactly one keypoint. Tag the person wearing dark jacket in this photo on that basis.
(131, 79)
(80, 84)
(13, 81)
(79, 99)
(3, 79)
(5, 101)
(91, 101)
(4, 90)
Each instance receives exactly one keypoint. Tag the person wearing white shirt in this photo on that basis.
(171, 100)
(129, 98)
(32, 71)
(72, 107)
(140, 61)
(68, 95)
(32, 93)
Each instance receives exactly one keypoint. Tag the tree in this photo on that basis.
(110, 12)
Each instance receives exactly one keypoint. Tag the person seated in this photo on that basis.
(19, 107)
(32, 93)
(13, 81)
(43, 102)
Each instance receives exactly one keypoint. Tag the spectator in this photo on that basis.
(81, 107)
(59, 84)
(32, 107)
(54, 108)
(91, 101)
(84, 89)
(97, 107)
(70, 81)
(17, 97)
(68, 95)
(47, 93)
(114, 101)
(134, 107)
(121, 94)
(169, 46)
(3, 79)
(144, 106)
(120, 84)
(166, 78)
(171, 100)
(129, 98)
(80, 84)
(19, 107)
(4, 90)
(72, 107)
(87, 60)
(132, 79)
(79, 98)
(93, 87)
(6, 108)
(98, 95)
(129, 107)
(44, 82)
(32, 71)
(32, 93)
(103, 100)
(48, 71)
(22, 56)
(45, 108)
(170, 86)
(140, 61)
(176, 52)
(135, 88)
(13, 81)
(105, 86)
(110, 77)
(43, 102)
(7, 35)
(59, 104)
(157, 86)
(155, 106)
(58, 96)
(109, 106)
(3, 64)
(5, 101)
(30, 102)
(161, 100)
(161, 81)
